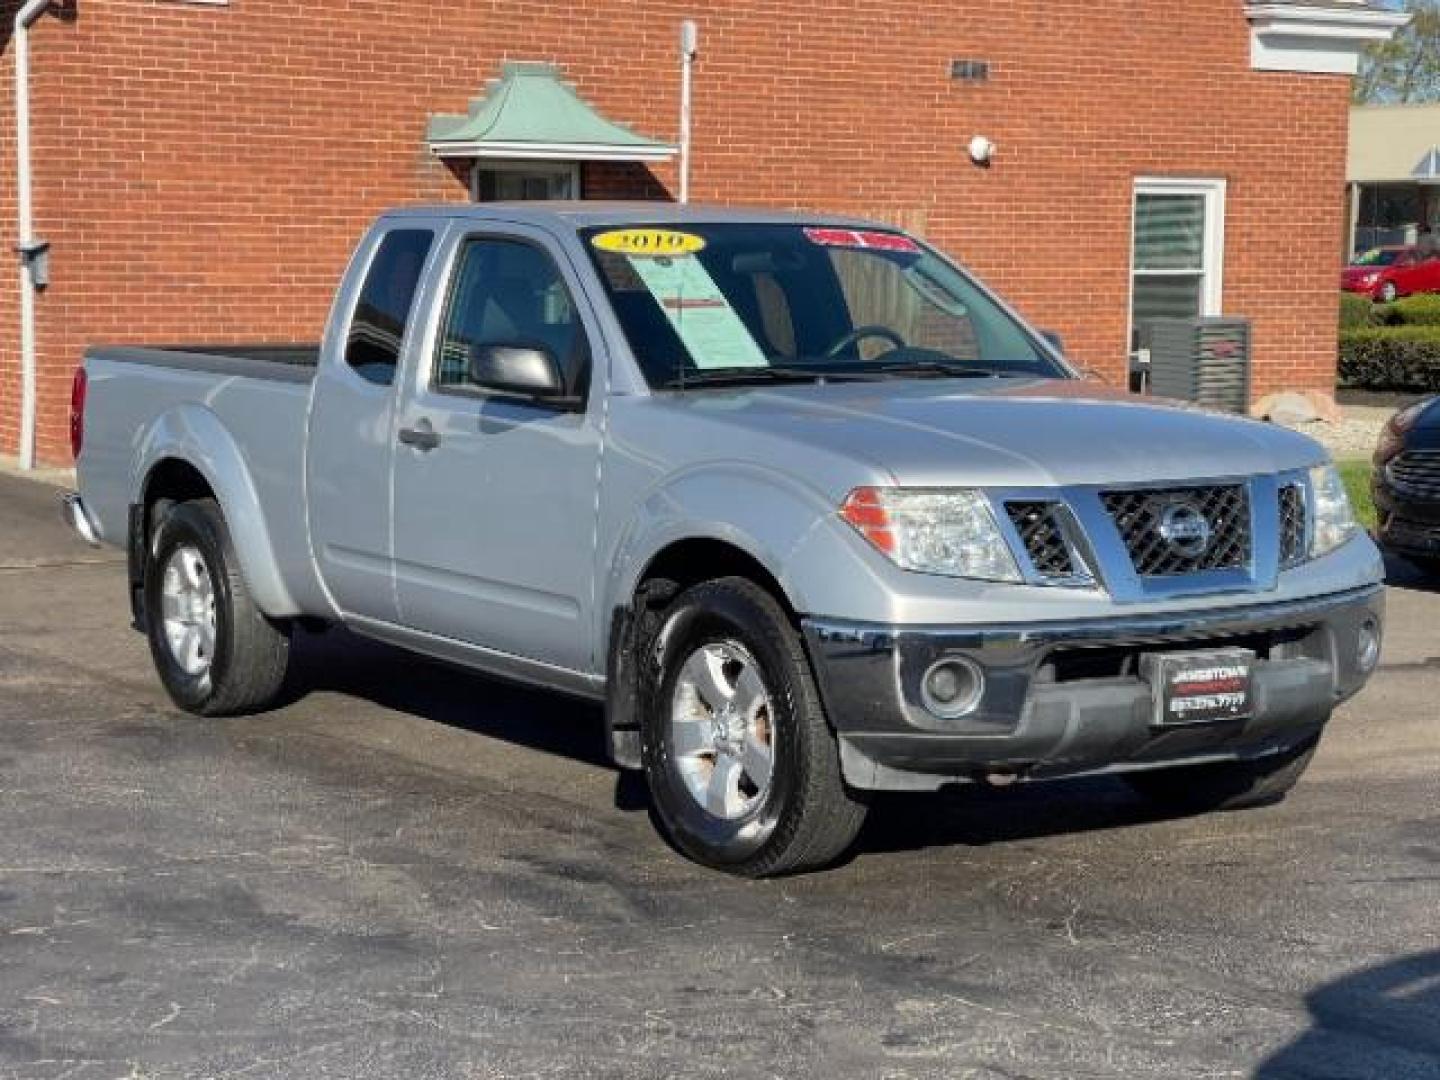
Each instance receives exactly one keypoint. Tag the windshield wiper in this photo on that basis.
(941, 369)
(778, 373)
(817, 373)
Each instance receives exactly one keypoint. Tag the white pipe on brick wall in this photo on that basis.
(689, 46)
(24, 19)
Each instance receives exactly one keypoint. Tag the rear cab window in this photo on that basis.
(382, 314)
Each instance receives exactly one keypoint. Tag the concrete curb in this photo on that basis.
(10, 466)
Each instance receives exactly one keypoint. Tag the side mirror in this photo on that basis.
(531, 370)
(1056, 341)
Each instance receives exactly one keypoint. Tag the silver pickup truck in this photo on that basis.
(809, 509)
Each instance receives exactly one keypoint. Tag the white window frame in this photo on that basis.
(1212, 288)
(571, 169)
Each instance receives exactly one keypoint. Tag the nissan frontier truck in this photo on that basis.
(812, 512)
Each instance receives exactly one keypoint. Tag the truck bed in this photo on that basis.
(234, 410)
(286, 363)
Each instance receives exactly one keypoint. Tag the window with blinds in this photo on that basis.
(1176, 260)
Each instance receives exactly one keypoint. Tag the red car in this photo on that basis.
(1389, 273)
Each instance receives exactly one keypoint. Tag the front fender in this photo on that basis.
(788, 527)
(193, 434)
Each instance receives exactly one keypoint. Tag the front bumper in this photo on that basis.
(1409, 524)
(1064, 699)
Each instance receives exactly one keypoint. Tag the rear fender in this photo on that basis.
(193, 434)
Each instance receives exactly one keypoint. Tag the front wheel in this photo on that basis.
(1230, 785)
(215, 651)
(744, 771)
(1389, 293)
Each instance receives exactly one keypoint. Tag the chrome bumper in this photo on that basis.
(1052, 706)
(72, 509)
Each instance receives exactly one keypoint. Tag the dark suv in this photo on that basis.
(1407, 483)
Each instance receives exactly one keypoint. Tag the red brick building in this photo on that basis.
(202, 167)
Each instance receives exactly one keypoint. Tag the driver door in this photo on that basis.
(495, 505)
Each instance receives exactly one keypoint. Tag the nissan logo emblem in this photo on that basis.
(1184, 528)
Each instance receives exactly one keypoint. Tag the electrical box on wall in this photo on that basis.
(35, 257)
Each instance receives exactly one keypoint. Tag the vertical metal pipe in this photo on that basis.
(689, 46)
(1352, 233)
(24, 19)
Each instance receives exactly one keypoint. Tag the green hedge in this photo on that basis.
(1421, 310)
(1356, 311)
(1391, 358)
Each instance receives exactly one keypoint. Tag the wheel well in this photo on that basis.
(174, 481)
(689, 562)
(671, 572)
(170, 481)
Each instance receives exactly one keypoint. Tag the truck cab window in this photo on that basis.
(508, 292)
(377, 331)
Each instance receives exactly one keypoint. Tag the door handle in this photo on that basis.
(422, 436)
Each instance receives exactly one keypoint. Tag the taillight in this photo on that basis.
(78, 389)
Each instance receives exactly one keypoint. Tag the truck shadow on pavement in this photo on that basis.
(1383, 1022)
(339, 662)
(970, 815)
(344, 663)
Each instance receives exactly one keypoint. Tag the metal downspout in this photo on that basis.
(26, 247)
(689, 47)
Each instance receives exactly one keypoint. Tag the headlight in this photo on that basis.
(1334, 519)
(949, 531)
(1392, 435)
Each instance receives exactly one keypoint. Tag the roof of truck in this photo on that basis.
(584, 215)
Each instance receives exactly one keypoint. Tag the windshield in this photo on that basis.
(1377, 257)
(706, 304)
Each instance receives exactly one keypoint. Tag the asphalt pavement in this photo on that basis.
(411, 871)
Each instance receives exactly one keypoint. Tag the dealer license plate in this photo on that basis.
(1200, 687)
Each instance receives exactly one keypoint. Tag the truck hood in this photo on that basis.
(1001, 432)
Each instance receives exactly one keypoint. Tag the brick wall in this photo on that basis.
(203, 171)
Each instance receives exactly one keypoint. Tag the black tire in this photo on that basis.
(1237, 785)
(250, 653)
(805, 817)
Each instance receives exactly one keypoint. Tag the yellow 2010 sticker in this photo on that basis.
(651, 242)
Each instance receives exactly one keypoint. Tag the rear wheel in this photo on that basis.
(744, 771)
(1231, 785)
(216, 653)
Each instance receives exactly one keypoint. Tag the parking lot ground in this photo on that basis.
(410, 871)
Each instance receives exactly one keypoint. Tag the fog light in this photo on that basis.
(952, 688)
(1367, 652)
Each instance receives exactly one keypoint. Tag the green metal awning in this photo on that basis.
(531, 113)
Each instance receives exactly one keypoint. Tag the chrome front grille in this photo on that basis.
(1163, 532)
(1416, 472)
(1038, 525)
(1294, 525)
